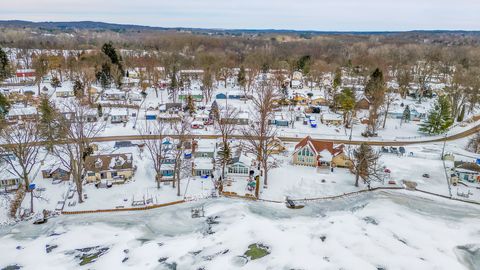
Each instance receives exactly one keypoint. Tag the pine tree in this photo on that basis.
(4, 106)
(242, 78)
(461, 116)
(116, 59)
(347, 102)
(78, 88)
(439, 118)
(99, 110)
(104, 76)
(5, 71)
(173, 87)
(55, 83)
(49, 125)
(366, 165)
(190, 105)
(406, 114)
(337, 80)
(224, 157)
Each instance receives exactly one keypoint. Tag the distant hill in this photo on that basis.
(90, 25)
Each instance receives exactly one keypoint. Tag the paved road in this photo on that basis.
(371, 141)
(452, 137)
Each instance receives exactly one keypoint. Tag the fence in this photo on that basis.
(122, 209)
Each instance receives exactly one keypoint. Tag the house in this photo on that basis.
(167, 165)
(22, 113)
(204, 149)
(467, 171)
(318, 101)
(197, 95)
(170, 107)
(316, 153)
(241, 164)
(118, 116)
(113, 167)
(191, 74)
(332, 119)
(280, 120)
(276, 146)
(25, 74)
(56, 172)
(221, 96)
(363, 104)
(296, 84)
(242, 118)
(114, 95)
(64, 92)
(300, 99)
(203, 167)
(9, 182)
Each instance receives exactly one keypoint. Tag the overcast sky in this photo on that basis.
(323, 15)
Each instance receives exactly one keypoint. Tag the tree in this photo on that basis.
(55, 83)
(4, 106)
(156, 149)
(49, 124)
(5, 69)
(79, 133)
(104, 76)
(474, 144)
(404, 78)
(173, 87)
(260, 135)
(375, 92)
(337, 79)
(347, 102)
(21, 143)
(242, 77)
(78, 88)
(190, 107)
(406, 114)
(182, 130)
(207, 85)
(225, 128)
(461, 115)
(40, 64)
(439, 118)
(115, 58)
(366, 164)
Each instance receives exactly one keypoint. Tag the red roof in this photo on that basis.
(319, 145)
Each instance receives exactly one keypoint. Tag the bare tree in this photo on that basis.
(21, 142)
(154, 146)
(225, 128)
(182, 131)
(366, 164)
(77, 133)
(260, 135)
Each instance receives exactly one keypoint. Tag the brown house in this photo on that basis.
(56, 173)
(363, 104)
(113, 167)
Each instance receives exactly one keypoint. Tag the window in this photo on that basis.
(238, 169)
(114, 174)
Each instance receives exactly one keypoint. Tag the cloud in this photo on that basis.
(360, 15)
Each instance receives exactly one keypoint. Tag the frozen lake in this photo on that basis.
(372, 231)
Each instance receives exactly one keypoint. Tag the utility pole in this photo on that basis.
(444, 143)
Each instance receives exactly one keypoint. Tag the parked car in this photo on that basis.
(426, 175)
(313, 123)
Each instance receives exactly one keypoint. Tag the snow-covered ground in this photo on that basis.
(372, 231)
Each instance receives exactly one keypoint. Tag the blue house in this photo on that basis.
(221, 96)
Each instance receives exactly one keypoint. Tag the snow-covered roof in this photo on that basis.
(21, 110)
(203, 164)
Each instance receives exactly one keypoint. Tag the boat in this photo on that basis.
(293, 205)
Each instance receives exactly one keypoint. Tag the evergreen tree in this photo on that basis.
(303, 64)
(347, 102)
(78, 88)
(173, 87)
(461, 116)
(49, 124)
(190, 105)
(337, 80)
(99, 110)
(406, 114)
(5, 70)
(439, 118)
(4, 106)
(104, 76)
(116, 59)
(55, 83)
(224, 157)
(242, 78)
